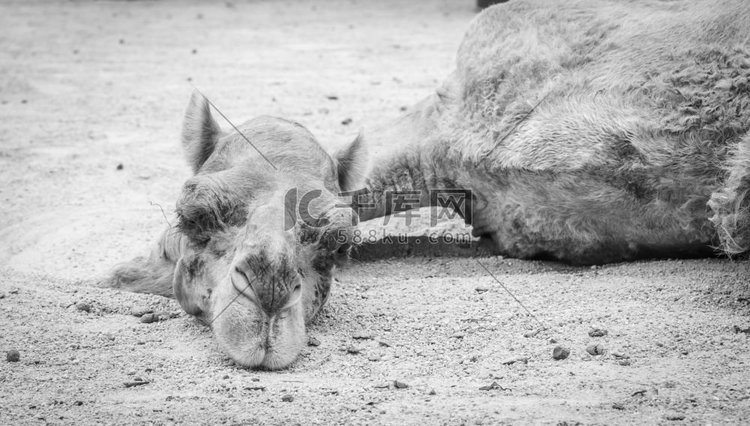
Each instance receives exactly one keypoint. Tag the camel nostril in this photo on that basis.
(240, 278)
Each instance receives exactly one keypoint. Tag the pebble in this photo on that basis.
(2, 295)
(598, 332)
(510, 361)
(400, 385)
(481, 289)
(83, 307)
(140, 311)
(432, 392)
(346, 121)
(12, 356)
(675, 416)
(492, 386)
(311, 341)
(384, 343)
(149, 318)
(353, 350)
(362, 335)
(374, 358)
(619, 355)
(120, 166)
(596, 349)
(287, 398)
(618, 406)
(532, 333)
(625, 362)
(560, 353)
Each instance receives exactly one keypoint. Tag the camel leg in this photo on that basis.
(731, 204)
(585, 219)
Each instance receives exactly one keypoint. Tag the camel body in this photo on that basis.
(594, 132)
(590, 132)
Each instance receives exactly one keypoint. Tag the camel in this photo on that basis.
(589, 132)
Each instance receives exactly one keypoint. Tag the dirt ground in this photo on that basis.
(88, 86)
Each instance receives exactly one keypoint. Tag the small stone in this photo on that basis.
(13, 291)
(618, 406)
(385, 343)
(374, 358)
(596, 349)
(353, 350)
(346, 121)
(624, 362)
(432, 392)
(162, 316)
(510, 361)
(2, 295)
(738, 329)
(482, 289)
(400, 385)
(598, 332)
(12, 356)
(194, 51)
(492, 386)
(531, 333)
(139, 311)
(619, 355)
(362, 335)
(311, 341)
(149, 318)
(332, 97)
(675, 416)
(382, 386)
(560, 353)
(83, 307)
(287, 398)
(226, 376)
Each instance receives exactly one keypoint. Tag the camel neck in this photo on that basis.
(396, 182)
(404, 178)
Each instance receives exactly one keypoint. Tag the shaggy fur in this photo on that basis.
(592, 132)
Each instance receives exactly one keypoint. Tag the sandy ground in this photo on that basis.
(87, 86)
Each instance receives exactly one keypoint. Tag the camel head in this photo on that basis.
(261, 234)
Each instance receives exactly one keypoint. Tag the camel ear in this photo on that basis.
(190, 289)
(351, 164)
(200, 132)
